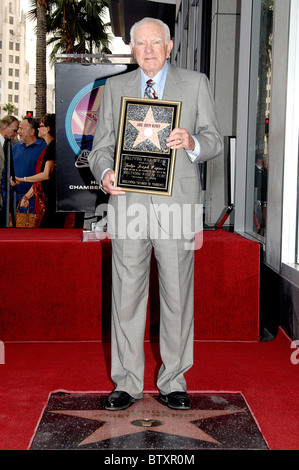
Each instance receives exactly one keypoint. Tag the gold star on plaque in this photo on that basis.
(144, 415)
(148, 129)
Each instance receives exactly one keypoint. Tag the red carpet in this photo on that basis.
(54, 287)
(262, 372)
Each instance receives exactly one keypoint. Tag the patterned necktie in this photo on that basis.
(149, 91)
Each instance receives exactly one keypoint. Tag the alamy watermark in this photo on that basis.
(157, 221)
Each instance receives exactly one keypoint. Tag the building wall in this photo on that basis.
(14, 68)
(50, 98)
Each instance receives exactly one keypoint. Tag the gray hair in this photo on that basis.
(150, 20)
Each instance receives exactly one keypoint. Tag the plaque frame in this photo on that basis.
(146, 166)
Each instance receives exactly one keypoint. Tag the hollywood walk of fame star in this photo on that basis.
(148, 129)
(121, 423)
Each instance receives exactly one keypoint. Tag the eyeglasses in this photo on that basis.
(41, 124)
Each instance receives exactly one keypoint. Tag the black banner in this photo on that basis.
(78, 90)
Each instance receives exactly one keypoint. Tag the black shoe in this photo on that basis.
(119, 401)
(176, 400)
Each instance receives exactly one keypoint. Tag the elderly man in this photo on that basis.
(196, 140)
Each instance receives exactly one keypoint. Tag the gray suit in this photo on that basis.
(131, 258)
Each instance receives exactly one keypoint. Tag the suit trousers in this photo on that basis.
(130, 288)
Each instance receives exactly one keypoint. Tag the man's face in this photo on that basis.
(11, 130)
(26, 132)
(150, 49)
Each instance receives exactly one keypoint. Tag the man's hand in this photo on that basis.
(180, 139)
(108, 184)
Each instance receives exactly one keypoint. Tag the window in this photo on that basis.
(259, 120)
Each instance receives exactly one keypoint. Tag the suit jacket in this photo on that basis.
(2, 164)
(197, 116)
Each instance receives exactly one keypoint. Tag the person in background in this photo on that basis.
(25, 156)
(8, 130)
(43, 189)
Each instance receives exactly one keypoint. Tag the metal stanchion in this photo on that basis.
(11, 194)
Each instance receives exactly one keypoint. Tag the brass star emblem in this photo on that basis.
(148, 129)
(144, 414)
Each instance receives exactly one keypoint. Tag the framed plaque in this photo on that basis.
(143, 161)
